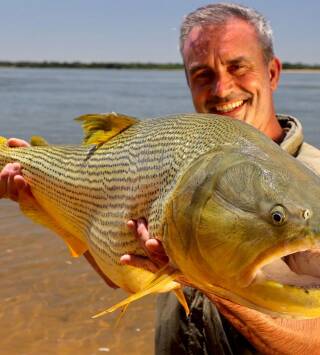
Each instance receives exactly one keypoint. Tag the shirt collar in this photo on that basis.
(293, 134)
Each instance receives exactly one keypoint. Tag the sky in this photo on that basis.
(137, 30)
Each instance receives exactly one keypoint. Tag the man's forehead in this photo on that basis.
(230, 30)
(197, 43)
(227, 37)
(199, 36)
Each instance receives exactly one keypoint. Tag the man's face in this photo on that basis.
(227, 73)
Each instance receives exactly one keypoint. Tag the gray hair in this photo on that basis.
(218, 14)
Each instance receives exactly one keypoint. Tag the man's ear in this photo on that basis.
(274, 68)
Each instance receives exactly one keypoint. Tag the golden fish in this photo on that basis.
(233, 210)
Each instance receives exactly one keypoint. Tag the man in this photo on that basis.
(231, 70)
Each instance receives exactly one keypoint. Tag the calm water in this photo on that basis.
(47, 298)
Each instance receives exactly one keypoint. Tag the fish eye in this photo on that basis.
(278, 215)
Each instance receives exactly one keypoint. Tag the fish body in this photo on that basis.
(230, 206)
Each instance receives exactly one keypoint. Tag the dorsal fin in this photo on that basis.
(38, 141)
(99, 128)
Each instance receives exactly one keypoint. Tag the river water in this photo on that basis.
(47, 298)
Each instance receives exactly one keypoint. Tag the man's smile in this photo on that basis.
(227, 108)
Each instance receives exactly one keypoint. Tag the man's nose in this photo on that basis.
(222, 85)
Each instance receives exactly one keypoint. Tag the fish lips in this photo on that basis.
(296, 265)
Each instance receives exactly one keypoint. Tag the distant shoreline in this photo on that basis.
(288, 67)
(100, 65)
(306, 70)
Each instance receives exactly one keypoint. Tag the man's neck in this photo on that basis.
(273, 130)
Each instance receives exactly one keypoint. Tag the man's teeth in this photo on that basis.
(229, 107)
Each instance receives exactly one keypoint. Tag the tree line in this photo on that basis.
(120, 65)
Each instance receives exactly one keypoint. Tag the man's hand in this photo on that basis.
(157, 257)
(11, 180)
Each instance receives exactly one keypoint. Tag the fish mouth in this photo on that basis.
(299, 269)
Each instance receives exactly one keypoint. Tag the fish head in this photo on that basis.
(245, 225)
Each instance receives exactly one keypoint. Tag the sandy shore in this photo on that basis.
(47, 298)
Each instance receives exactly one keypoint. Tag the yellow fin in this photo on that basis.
(99, 128)
(121, 314)
(162, 282)
(182, 299)
(38, 141)
(31, 208)
(3, 141)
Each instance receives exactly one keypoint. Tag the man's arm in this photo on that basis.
(11, 182)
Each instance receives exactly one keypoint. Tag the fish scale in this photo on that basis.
(206, 184)
(95, 191)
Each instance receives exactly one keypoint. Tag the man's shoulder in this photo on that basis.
(310, 156)
(294, 144)
(293, 133)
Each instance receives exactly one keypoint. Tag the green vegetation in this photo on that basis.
(286, 65)
(119, 65)
(108, 65)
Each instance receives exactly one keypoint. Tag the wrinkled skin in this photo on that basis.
(228, 75)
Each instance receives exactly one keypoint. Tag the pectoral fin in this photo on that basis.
(31, 208)
(162, 282)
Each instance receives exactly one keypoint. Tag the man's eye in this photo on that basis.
(202, 77)
(237, 69)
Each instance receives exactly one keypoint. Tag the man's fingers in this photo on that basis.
(12, 190)
(11, 181)
(16, 143)
(11, 169)
(157, 252)
(142, 230)
(155, 246)
(20, 182)
(152, 247)
(7, 187)
(138, 261)
(132, 225)
(3, 183)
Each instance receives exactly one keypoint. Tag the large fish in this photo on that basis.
(238, 216)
